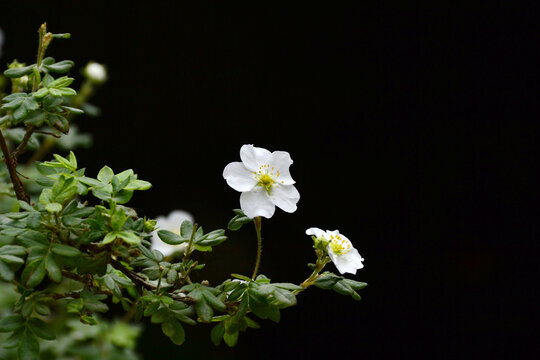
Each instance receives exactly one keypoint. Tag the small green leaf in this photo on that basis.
(109, 238)
(217, 333)
(230, 339)
(19, 71)
(105, 175)
(186, 229)
(53, 269)
(129, 237)
(41, 329)
(174, 330)
(238, 220)
(28, 347)
(61, 66)
(53, 207)
(171, 238)
(11, 323)
(65, 250)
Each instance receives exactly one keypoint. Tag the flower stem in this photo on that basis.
(258, 223)
(322, 260)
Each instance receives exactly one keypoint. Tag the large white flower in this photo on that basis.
(172, 223)
(264, 180)
(344, 256)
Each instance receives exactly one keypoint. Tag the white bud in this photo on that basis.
(95, 72)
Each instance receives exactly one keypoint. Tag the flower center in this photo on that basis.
(266, 175)
(340, 245)
(266, 182)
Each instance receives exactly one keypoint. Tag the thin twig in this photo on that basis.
(22, 146)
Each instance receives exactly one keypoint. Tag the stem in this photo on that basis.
(12, 168)
(258, 224)
(44, 41)
(190, 244)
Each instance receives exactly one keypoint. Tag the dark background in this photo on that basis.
(411, 129)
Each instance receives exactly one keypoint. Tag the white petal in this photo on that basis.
(256, 203)
(281, 160)
(253, 157)
(239, 177)
(315, 232)
(285, 197)
(347, 263)
(177, 217)
(165, 248)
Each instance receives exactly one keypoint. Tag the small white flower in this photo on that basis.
(344, 256)
(264, 180)
(171, 223)
(95, 72)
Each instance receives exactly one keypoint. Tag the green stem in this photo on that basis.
(322, 260)
(258, 224)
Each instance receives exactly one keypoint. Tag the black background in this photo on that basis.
(411, 129)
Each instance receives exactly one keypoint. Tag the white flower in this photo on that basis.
(344, 256)
(171, 223)
(264, 180)
(95, 72)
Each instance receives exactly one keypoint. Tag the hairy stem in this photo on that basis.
(258, 224)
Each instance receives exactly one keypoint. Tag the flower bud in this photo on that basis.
(95, 72)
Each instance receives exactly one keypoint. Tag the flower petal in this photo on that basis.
(256, 203)
(281, 160)
(239, 177)
(285, 197)
(315, 232)
(177, 217)
(253, 157)
(347, 263)
(166, 249)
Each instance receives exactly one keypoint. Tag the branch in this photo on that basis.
(22, 146)
(12, 168)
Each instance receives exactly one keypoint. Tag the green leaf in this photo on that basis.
(41, 329)
(6, 272)
(186, 229)
(19, 71)
(238, 220)
(53, 269)
(355, 285)
(230, 339)
(171, 238)
(109, 238)
(60, 83)
(65, 250)
(41, 93)
(217, 333)
(241, 277)
(10, 259)
(174, 330)
(204, 310)
(33, 273)
(105, 175)
(61, 66)
(12, 250)
(28, 347)
(11, 323)
(327, 281)
(129, 237)
(32, 237)
(53, 207)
